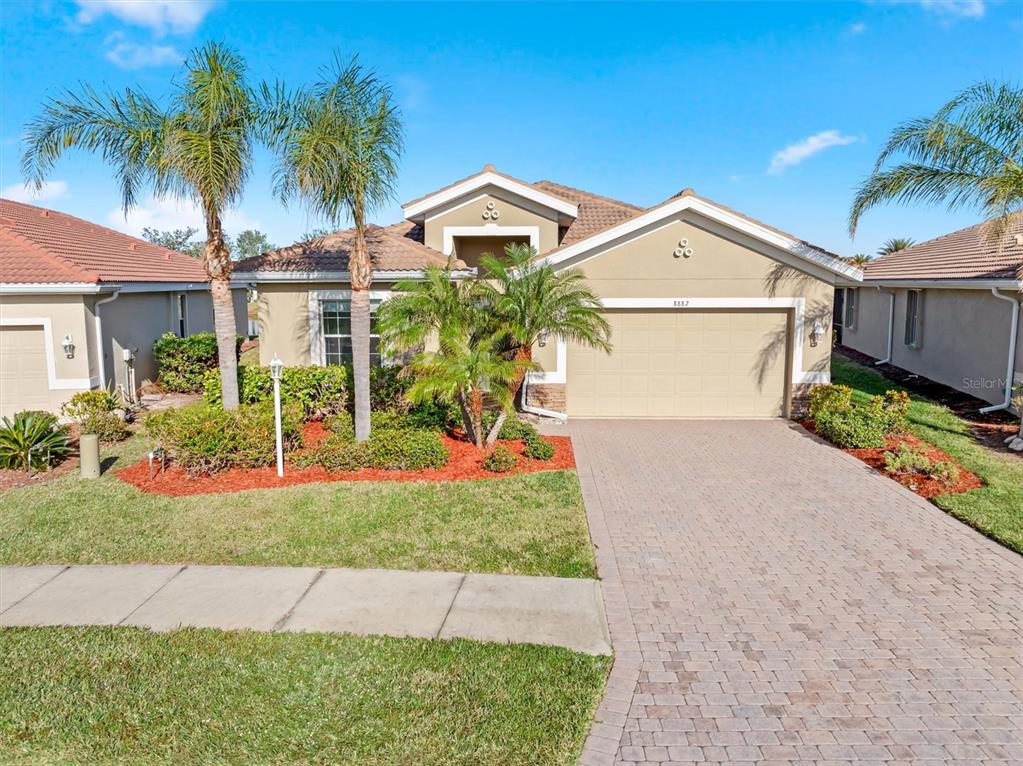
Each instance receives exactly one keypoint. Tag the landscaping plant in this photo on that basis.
(94, 412)
(851, 426)
(912, 460)
(318, 391)
(32, 440)
(386, 448)
(538, 448)
(501, 460)
(857, 428)
(183, 363)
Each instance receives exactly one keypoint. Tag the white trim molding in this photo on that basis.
(799, 250)
(50, 288)
(317, 349)
(559, 373)
(245, 279)
(490, 230)
(55, 383)
(418, 208)
(948, 284)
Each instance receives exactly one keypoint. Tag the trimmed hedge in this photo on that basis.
(206, 439)
(390, 449)
(182, 363)
(838, 420)
(829, 399)
(852, 429)
(318, 391)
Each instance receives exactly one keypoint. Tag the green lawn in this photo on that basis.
(996, 509)
(533, 524)
(250, 358)
(103, 696)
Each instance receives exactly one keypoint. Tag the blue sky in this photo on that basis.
(774, 109)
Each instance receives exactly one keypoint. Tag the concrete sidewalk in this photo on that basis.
(540, 610)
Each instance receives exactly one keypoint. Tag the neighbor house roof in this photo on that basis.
(396, 248)
(44, 246)
(964, 254)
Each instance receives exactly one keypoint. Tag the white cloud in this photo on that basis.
(50, 191)
(970, 9)
(128, 55)
(166, 213)
(795, 153)
(161, 16)
(857, 28)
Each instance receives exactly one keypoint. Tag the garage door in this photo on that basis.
(683, 364)
(23, 381)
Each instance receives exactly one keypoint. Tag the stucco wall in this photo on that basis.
(468, 211)
(471, 249)
(869, 332)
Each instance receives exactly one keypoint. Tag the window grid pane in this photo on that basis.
(337, 332)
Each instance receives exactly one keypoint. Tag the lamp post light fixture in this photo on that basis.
(276, 368)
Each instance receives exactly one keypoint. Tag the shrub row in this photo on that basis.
(207, 439)
(390, 449)
(838, 420)
(182, 363)
(317, 391)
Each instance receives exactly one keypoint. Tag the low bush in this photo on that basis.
(513, 428)
(318, 391)
(94, 412)
(829, 399)
(182, 363)
(538, 448)
(852, 428)
(892, 408)
(388, 386)
(207, 439)
(389, 449)
(32, 439)
(912, 460)
(500, 460)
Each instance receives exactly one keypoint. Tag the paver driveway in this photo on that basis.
(773, 600)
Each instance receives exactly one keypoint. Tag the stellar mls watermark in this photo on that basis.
(983, 384)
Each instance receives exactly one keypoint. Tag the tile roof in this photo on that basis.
(40, 245)
(392, 248)
(963, 254)
(596, 213)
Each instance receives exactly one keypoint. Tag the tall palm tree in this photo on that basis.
(198, 149)
(860, 259)
(535, 301)
(340, 154)
(969, 153)
(894, 245)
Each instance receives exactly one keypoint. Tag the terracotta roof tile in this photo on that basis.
(392, 248)
(596, 213)
(963, 254)
(40, 245)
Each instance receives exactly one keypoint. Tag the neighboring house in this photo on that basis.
(946, 309)
(81, 306)
(713, 314)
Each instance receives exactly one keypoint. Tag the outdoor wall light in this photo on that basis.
(68, 344)
(817, 332)
(541, 339)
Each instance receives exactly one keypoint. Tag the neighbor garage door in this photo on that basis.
(683, 364)
(23, 381)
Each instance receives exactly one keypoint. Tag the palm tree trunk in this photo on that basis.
(360, 268)
(217, 261)
(522, 353)
(496, 430)
(476, 413)
(463, 408)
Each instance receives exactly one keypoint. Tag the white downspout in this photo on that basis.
(1011, 368)
(99, 338)
(891, 325)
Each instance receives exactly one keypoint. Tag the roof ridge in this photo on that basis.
(602, 197)
(42, 252)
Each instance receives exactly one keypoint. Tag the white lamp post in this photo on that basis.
(276, 368)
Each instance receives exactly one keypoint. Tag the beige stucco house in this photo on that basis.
(81, 306)
(947, 309)
(714, 314)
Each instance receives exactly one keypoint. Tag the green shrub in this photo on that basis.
(207, 439)
(829, 399)
(32, 439)
(342, 424)
(513, 428)
(501, 460)
(388, 387)
(538, 448)
(390, 449)
(182, 363)
(318, 391)
(912, 460)
(893, 409)
(853, 428)
(93, 411)
(945, 471)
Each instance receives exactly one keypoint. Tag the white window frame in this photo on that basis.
(317, 342)
(850, 307)
(914, 300)
(181, 314)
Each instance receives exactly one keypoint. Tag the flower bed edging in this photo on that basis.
(465, 464)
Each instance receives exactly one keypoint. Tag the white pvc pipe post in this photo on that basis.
(277, 425)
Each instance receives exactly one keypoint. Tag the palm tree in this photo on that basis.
(894, 245)
(340, 154)
(969, 153)
(198, 149)
(535, 301)
(860, 259)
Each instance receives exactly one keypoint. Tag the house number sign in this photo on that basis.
(681, 303)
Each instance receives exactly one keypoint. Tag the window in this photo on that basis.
(851, 304)
(337, 332)
(913, 318)
(181, 309)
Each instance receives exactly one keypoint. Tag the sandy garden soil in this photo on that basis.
(465, 463)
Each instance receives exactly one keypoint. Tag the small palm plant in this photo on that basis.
(894, 245)
(534, 301)
(32, 440)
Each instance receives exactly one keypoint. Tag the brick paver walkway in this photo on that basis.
(771, 600)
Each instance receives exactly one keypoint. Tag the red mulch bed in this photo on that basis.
(925, 486)
(465, 463)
